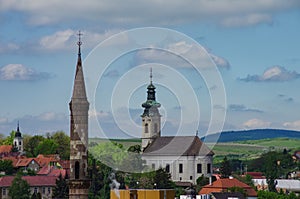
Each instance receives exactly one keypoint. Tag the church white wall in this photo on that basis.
(189, 164)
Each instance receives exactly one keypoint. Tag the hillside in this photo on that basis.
(256, 134)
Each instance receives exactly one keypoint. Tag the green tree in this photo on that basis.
(6, 166)
(225, 168)
(36, 196)
(63, 142)
(31, 145)
(9, 139)
(162, 179)
(46, 147)
(19, 189)
(61, 190)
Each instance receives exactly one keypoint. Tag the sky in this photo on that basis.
(217, 64)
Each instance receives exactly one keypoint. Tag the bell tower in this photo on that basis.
(151, 118)
(79, 182)
(18, 140)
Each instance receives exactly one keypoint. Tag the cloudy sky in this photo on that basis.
(252, 46)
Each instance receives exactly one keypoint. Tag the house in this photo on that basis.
(222, 185)
(259, 180)
(288, 185)
(185, 157)
(38, 184)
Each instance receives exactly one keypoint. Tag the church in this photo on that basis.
(186, 158)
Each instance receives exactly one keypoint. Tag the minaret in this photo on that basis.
(18, 140)
(150, 117)
(79, 106)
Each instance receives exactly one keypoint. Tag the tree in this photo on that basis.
(6, 166)
(9, 139)
(61, 190)
(46, 147)
(162, 179)
(31, 145)
(63, 141)
(225, 168)
(19, 189)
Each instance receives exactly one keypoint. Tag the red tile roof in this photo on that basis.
(222, 185)
(33, 181)
(5, 148)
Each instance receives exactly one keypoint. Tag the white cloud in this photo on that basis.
(256, 123)
(157, 12)
(21, 72)
(292, 125)
(273, 74)
(175, 54)
(66, 39)
(9, 47)
(51, 116)
(3, 120)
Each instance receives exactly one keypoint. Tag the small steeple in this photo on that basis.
(18, 133)
(151, 104)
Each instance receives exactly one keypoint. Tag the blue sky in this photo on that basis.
(254, 44)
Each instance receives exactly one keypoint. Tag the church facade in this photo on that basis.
(186, 158)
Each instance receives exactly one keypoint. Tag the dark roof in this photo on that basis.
(6, 181)
(225, 195)
(177, 145)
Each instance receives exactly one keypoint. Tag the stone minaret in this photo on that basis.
(79, 106)
(150, 117)
(18, 140)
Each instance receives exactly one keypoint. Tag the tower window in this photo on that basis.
(199, 168)
(20, 143)
(77, 169)
(146, 128)
(208, 168)
(180, 168)
(168, 168)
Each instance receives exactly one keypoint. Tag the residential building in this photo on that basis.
(38, 184)
(222, 185)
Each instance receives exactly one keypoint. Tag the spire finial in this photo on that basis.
(150, 75)
(18, 128)
(79, 43)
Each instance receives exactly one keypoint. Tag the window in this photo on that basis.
(20, 143)
(199, 168)
(49, 190)
(180, 168)
(35, 189)
(146, 128)
(208, 168)
(77, 169)
(168, 168)
(44, 190)
(191, 177)
(4, 191)
(153, 166)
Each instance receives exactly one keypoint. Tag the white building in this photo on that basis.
(185, 157)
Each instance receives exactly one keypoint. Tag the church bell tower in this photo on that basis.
(151, 118)
(79, 182)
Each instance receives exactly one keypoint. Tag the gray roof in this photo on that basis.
(178, 145)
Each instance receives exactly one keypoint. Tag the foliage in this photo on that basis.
(31, 144)
(273, 195)
(46, 147)
(135, 148)
(237, 189)
(36, 195)
(63, 142)
(9, 139)
(61, 189)
(225, 168)
(19, 189)
(6, 166)
(201, 182)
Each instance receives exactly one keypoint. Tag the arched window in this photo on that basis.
(146, 128)
(77, 169)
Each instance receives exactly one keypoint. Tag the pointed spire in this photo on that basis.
(151, 75)
(79, 86)
(18, 133)
(18, 128)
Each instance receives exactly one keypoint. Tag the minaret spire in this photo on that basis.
(150, 75)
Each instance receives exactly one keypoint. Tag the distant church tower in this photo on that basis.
(79, 106)
(18, 140)
(150, 117)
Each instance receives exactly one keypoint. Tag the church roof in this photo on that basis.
(178, 145)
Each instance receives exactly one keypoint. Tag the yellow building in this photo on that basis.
(143, 194)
